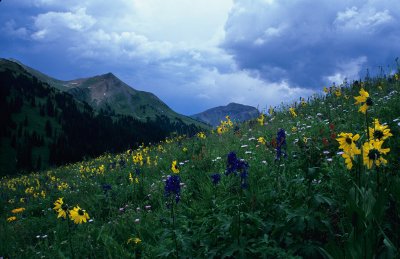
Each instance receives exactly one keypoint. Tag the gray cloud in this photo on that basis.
(310, 43)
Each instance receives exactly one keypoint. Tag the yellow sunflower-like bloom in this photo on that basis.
(58, 204)
(261, 140)
(292, 112)
(363, 99)
(379, 132)
(347, 143)
(271, 110)
(372, 153)
(261, 119)
(135, 240)
(11, 219)
(60, 208)
(348, 159)
(201, 135)
(78, 215)
(174, 167)
(18, 210)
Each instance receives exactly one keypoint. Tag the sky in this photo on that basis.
(199, 54)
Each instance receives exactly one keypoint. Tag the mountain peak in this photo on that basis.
(236, 111)
(108, 75)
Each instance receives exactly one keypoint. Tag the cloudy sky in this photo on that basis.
(198, 54)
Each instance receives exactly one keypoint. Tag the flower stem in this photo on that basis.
(70, 239)
(173, 226)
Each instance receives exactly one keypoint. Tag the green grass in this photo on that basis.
(306, 205)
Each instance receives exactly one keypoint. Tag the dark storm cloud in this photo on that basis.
(313, 42)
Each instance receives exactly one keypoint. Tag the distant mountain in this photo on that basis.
(108, 93)
(236, 111)
(42, 126)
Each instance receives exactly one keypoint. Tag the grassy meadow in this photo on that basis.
(315, 179)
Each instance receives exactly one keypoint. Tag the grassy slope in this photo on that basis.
(306, 205)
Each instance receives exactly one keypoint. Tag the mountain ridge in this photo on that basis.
(109, 93)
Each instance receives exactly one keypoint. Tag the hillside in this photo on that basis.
(237, 112)
(109, 93)
(43, 126)
(317, 179)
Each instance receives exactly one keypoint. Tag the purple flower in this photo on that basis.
(215, 178)
(235, 166)
(106, 187)
(280, 142)
(173, 187)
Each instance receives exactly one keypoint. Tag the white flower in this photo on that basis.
(326, 152)
(243, 146)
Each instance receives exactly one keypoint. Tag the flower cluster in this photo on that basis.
(224, 125)
(365, 100)
(372, 148)
(77, 215)
(235, 165)
(173, 187)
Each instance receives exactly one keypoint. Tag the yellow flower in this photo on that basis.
(338, 93)
(60, 208)
(148, 161)
(363, 99)
(220, 130)
(294, 129)
(348, 160)
(135, 240)
(11, 219)
(138, 158)
(78, 215)
(372, 153)
(326, 90)
(379, 132)
(102, 169)
(228, 121)
(18, 210)
(292, 112)
(174, 167)
(303, 102)
(271, 110)
(261, 119)
(201, 135)
(261, 140)
(347, 143)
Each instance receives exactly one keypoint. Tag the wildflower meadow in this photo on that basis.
(317, 178)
